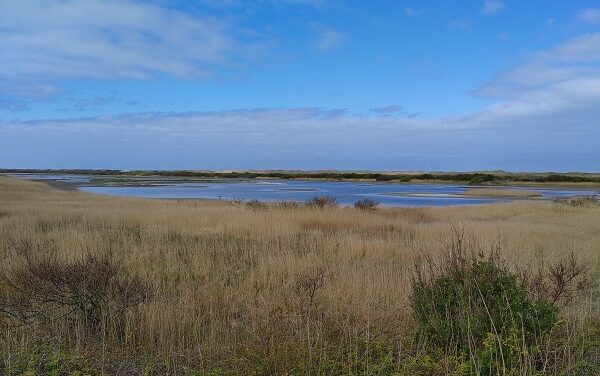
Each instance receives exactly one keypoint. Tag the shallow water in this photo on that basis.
(346, 193)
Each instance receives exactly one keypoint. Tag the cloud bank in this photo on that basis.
(509, 136)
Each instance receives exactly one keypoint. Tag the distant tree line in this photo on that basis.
(471, 178)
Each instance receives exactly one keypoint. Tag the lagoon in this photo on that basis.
(345, 192)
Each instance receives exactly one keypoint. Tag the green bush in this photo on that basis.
(481, 178)
(473, 306)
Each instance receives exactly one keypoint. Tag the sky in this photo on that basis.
(300, 84)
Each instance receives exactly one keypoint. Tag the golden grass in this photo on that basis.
(226, 278)
(496, 192)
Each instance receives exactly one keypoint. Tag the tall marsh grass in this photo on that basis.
(287, 289)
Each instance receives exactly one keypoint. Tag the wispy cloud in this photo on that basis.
(394, 110)
(48, 40)
(250, 3)
(387, 109)
(328, 38)
(459, 24)
(574, 60)
(315, 3)
(491, 7)
(591, 15)
(412, 12)
(13, 105)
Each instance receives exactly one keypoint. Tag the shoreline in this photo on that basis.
(574, 180)
(138, 180)
(74, 186)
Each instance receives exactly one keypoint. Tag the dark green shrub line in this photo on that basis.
(320, 202)
(471, 178)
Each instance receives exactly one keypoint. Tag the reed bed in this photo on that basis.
(497, 192)
(276, 290)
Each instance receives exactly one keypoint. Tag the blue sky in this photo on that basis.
(300, 84)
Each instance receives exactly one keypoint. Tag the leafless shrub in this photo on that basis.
(366, 204)
(580, 201)
(559, 282)
(256, 205)
(322, 202)
(309, 282)
(235, 201)
(94, 289)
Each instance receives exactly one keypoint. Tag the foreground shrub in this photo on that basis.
(473, 306)
(366, 204)
(95, 291)
(322, 202)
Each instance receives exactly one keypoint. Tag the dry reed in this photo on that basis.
(230, 282)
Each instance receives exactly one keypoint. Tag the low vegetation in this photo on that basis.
(322, 202)
(470, 306)
(508, 193)
(94, 285)
(366, 204)
(475, 178)
(579, 201)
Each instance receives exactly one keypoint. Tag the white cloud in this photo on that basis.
(491, 7)
(46, 40)
(574, 60)
(591, 15)
(328, 38)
